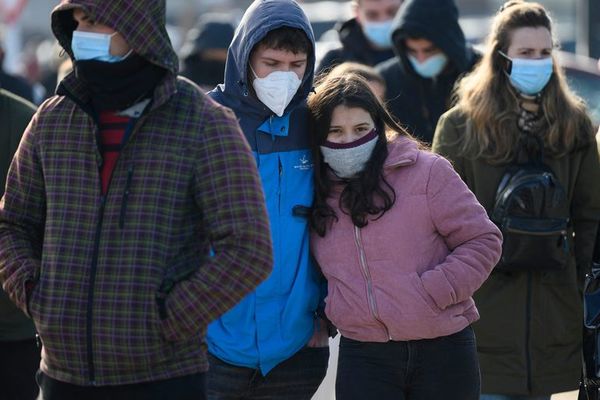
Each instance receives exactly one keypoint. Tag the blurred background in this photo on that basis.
(30, 50)
(574, 17)
(31, 53)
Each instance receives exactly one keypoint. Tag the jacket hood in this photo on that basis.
(213, 31)
(435, 20)
(141, 22)
(259, 19)
(351, 34)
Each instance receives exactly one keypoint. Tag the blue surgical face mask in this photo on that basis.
(379, 33)
(94, 46)
(431, 67)
(530, 76)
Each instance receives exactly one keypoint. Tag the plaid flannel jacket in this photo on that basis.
(123, 284)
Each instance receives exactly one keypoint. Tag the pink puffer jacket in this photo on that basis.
(410, 274)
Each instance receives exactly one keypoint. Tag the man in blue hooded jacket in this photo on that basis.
(272, 344)
(431, 55)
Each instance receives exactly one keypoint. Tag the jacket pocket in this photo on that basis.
(530, 246)
(125, 198)
(400, 292)
(31, 297)
(175, 322)
(346, 308)
(416, 281)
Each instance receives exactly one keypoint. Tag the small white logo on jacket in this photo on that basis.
(305, 164)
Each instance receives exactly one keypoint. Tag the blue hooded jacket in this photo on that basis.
(271, 324)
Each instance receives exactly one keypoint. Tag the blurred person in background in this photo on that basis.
(366, 38)
(204, 51)
(64, 69)
(13, 83)
(124, 184)
(369, 74)
(32, 70)
(431, 54)
(516, 109)
(49, 58)
(20, 355)
(273, 345)
(11, 12)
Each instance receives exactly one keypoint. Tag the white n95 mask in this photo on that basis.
(277, 89)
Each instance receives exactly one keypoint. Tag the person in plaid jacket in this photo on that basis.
(133, 213)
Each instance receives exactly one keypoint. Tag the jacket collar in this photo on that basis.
(75, 89)
(402, 151)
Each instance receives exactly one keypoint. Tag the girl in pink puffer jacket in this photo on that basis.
(403, 243)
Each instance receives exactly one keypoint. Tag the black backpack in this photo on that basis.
(589, 386)
(532, 211)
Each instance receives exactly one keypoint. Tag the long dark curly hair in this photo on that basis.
(367, 195)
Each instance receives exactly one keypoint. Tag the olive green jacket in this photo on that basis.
(15, 114)
(530, 331)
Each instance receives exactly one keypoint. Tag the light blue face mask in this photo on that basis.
(530, 76)
(379, 33)
(431, 67)
(94, 46)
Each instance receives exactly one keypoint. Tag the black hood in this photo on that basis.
(351, 34)
(437, 21)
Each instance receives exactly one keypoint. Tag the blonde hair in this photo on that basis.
(491, 105)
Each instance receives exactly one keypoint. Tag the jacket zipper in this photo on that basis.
(89, 319)
(369, 282)
(564, 240)
(425, 113)
(125, 197)
(279, 185)
(562, 232)
(94, 266)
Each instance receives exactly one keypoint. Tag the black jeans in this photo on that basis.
(442, 368)
(296, 378)
(190, 387)
(19, 361)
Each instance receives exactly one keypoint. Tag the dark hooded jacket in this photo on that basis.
(16, 85)
(283, 307)
(15, 114)
(416, 101)
(123, 283)
(354, 46)
(213, 31)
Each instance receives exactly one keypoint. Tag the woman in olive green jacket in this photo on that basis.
(529, 335)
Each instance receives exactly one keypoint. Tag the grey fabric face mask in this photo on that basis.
(349, 159)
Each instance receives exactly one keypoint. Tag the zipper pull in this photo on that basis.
(565, 242)
(125, 198)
